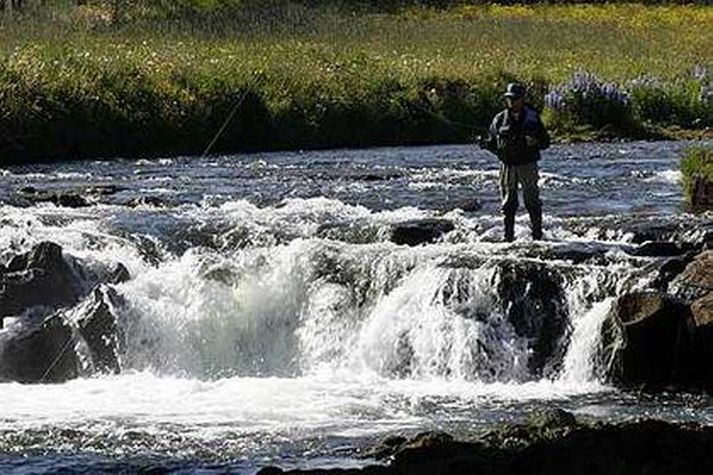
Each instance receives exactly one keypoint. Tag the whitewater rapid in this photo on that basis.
(269, 316)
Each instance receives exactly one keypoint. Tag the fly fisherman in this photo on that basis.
(516, 136)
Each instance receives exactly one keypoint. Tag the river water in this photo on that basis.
(269, 319)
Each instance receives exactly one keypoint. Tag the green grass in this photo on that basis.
(87, 82)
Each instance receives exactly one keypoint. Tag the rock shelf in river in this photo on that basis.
(550, 442)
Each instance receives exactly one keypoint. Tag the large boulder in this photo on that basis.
(44, 278)
(702, 327)
(657, 340)
(41, 277)
(39, 353)
(696, 280)
(666, 342)
(420, 231)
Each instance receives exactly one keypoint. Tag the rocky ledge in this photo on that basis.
(665, 335)
(551, 442)
(37, 290)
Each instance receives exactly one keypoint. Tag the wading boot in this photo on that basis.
(509, 228)
(536, 226)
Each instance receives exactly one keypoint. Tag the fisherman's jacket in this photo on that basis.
(506, 137)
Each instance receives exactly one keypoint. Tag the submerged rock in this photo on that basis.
(420, 231)
(42, 353)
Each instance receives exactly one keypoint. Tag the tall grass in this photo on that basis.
(80, 81)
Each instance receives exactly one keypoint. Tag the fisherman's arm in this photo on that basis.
(488, 141)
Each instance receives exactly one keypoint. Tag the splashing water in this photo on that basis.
(276, 321)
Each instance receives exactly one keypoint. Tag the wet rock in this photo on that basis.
(693, 231)
(119, 274)
(702, 311)
(44, 278)
(696, 280)
(152, 201)
(41, 277)
(552, 417)
(420, 231)
(41, 353)
(701, 192)
(104, 190)
(649, 446)
(670, 269)
(66, 199)
(658, 249)
(701, 367)
(100, 330)
(656, 340)
(533, 300)
(467, 205)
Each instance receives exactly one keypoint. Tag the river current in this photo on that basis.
(270, 320)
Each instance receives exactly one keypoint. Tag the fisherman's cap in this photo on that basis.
(515, 91)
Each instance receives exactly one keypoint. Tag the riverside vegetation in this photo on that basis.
(98, 80)
(697, 170)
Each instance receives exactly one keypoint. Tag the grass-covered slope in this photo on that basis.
(93, 80)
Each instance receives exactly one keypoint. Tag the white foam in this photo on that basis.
(665, 176)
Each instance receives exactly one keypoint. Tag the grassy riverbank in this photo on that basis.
(79, 81)
(697, 171)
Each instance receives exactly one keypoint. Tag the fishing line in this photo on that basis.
(60, 354)
(249, 87)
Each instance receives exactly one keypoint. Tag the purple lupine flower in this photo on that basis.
(554, 99)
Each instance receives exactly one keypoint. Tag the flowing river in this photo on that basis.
(269, 319)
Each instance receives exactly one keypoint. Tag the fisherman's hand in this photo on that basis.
(530, 141)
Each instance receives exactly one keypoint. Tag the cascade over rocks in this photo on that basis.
(533, 299)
